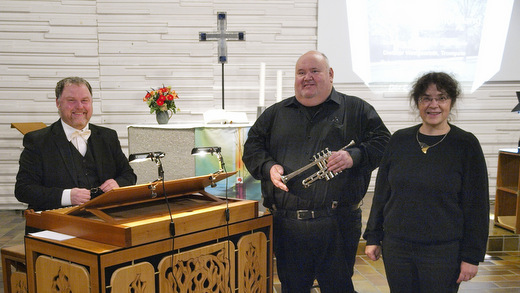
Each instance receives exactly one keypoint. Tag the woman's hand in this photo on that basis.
(373, 252)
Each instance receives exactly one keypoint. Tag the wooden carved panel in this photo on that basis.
(57, 276)
(252, 263)
(205, 269)
(19, 282)
(137, 278)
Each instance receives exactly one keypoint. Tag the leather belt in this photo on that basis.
(303, 214)
(312, 214)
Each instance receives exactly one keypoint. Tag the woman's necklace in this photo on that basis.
(424, 146)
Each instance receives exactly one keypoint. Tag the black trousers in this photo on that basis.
(421, 268)
(310, 249)
(349, 222)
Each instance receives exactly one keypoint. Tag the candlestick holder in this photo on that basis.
(259, 110)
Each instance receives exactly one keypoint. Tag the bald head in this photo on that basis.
(313, 78)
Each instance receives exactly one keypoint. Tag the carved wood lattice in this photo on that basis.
(207, 269)
(252, 275)
(252, 263)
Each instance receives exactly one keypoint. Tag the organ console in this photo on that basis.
(124, 236)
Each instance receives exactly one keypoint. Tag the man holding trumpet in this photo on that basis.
(317, 223)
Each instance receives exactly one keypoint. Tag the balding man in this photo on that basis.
(316, 229)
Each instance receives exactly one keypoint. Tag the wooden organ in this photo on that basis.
(123, 242)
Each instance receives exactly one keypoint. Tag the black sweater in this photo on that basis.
(436, 197)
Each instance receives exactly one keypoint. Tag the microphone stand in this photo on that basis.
(160, 178)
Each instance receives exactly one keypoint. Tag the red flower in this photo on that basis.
(161, 99)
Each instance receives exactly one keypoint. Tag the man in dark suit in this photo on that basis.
(71, 161)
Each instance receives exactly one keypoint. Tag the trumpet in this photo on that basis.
(320, 160)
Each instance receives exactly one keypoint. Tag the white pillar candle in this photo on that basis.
(261, 95)
(278, 85)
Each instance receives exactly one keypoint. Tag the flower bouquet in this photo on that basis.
(162, 102)
(162, 99)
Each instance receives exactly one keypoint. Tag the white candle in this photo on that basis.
(278, 85)
(261, 96)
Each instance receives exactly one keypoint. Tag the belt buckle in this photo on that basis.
(304, 214)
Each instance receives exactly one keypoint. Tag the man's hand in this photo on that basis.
(467, 272)
(339, 161)
(276, 173)
(373, 252)
(79, 196)
(109, 185)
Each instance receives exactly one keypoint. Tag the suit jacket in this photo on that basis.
(46, 167)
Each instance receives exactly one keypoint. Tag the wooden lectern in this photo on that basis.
(123, 242)
(25, 127)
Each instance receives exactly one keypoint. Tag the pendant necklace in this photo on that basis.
(424, 146)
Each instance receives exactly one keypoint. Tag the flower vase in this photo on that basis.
(163, 116)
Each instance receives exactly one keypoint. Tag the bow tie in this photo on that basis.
(79, 133)
(80, 144)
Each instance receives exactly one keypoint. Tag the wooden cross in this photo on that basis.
(221, 35)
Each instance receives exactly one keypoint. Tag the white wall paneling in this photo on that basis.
(126, 47)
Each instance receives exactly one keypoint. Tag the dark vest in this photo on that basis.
(85, 168)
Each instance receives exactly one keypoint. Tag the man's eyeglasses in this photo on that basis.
(428, 100)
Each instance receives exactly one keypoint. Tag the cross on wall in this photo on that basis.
(222, 36)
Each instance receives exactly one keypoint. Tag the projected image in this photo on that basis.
(395, 41)
(437, 34)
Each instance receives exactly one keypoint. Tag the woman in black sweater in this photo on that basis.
(430, 212)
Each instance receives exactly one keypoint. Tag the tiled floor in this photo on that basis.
(499, 273)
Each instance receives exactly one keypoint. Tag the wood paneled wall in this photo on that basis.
(126, 47)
